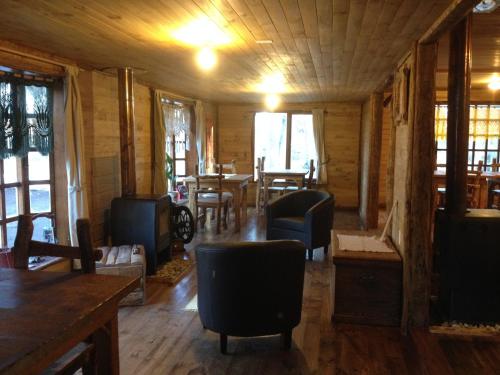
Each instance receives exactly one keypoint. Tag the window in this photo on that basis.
(484, 134)
(285, 139)
(177, 117)
(176, 149)
(26, 161)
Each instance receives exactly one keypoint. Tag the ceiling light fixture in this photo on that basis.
(274, 83)
(264, 41)
(206, 58)
(272, 101)
(202, 32)
(494, 83)
(486, 6)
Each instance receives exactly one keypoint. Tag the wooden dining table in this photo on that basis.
(45, 314)
(485, 180)
(296, 175)
(237, 184)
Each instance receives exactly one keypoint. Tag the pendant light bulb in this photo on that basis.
(272, 101)
(206, 58)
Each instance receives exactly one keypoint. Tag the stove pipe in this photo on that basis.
(127, 124)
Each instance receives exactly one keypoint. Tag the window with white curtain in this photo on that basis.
(177, 124)
(484, 135)
(26, 158)
(285, 139)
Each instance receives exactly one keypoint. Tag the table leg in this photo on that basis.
(191, 189)
(237, 209)
(244, 204)
(106, 343)
(266, 192)
(483, 193)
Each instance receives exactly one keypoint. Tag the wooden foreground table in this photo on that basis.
(45, 314)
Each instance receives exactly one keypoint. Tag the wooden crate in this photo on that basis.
(367, 287)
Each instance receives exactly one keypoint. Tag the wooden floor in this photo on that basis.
(165, 336)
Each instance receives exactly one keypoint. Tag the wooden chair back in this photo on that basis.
(259, 197)
(479, 166)
(473, 189)
(203, 189)
(495, 165)
(24, 246)
(312, 169)
(226, 167)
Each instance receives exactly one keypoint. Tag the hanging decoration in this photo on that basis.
(26, 117)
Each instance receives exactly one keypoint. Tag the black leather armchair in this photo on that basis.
(305, 215)
(250, 288)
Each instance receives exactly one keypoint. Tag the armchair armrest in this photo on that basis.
(318, 221)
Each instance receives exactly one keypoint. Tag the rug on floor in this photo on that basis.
(172, 272)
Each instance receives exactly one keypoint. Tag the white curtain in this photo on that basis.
(200, 135)
(319, 140)
(74, 153)
(159, 177)
(177, 120)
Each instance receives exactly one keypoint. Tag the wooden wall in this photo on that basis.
(102, 142)
(342, 123)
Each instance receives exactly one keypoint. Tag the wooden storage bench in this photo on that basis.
(366, 286)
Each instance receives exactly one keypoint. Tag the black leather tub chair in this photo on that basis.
(305, 215)
(250, 288)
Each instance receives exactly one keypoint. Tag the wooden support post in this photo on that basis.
(420, 213)
(377, 110)
(127, 124)
(458, 117)
(371, 148)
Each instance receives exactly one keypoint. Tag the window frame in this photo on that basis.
(288, 146)
(24, 205)
(23, 184)
(175, 158)
(473, 165)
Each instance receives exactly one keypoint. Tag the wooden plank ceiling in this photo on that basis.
(485, 51)
(325, 49)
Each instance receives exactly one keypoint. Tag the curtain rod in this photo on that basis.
(180, 98)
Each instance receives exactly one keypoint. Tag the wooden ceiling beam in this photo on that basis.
(450, 17)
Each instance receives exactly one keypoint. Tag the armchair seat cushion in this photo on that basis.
(290, 222)
(304, 215)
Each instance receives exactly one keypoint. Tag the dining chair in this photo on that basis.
(83, 354)
(495, 165)
(309, 182)
(205, 197)
(260, 200)
(473, 189)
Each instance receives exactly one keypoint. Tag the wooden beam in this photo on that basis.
(449, 18)
(420, 209)
(377, 109)
(458, 117)
(27, 64)
(370, 160)
(127, 124)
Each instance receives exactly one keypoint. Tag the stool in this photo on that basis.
(125, 260)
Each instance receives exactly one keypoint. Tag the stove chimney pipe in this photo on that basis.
(127, 124)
